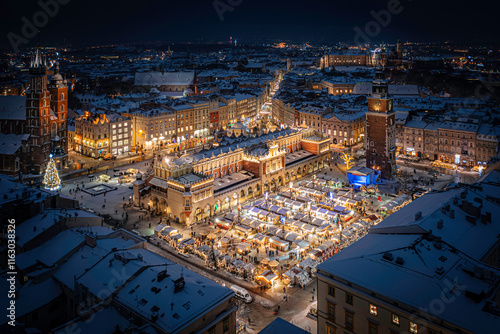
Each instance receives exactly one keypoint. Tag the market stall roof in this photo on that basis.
(268, 275)
(331, 213)
(273, 263)
(292, 272)
(283, 211)
(160, 227)
(256, 223)
(230, 216)
(227, 240)
(188, 241)
(260, 237)
(274, 208)
(298, 216)
(272, 230)
(246, 221)
(307, 263)
(236, 262)
(303, 199)
(291, 236)
(339, 208)
(248, 267)
(243, 228)
(302, 244)
(309, 228)
(299, 224)
(323, 227)
(243, 245)
(278, 241)
(176, 236)
(203, 249)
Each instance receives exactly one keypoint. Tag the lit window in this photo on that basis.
(413, 327)
(395, 319)
(373, 310)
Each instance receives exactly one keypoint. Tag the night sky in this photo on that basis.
(85, 22)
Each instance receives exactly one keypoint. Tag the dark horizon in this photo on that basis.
(92, 22)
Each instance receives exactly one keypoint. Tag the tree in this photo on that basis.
(51, 178)
(405, 179)
(348, 159)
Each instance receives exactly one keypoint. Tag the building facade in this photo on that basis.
(99, 135)
(346, 59)
(194, 187)
(152, 127)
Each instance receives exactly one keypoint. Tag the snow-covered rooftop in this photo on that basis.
(150, 295)
(439, 241)
(164, 78)
(13, 107)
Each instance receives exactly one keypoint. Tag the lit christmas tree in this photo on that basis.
(51, 178)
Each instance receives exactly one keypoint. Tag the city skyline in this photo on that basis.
(238, 167)
(249, 22)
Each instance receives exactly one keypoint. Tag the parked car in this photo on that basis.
(241, 293)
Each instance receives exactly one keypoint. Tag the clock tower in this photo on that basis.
(380, 128)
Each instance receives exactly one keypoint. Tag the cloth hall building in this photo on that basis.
(197, 186)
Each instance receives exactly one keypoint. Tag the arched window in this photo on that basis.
(62, 107)
(62, 96)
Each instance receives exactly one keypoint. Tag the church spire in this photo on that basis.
(38, 61)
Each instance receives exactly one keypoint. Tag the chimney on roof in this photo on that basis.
(440, 224)
(91, 239)
(440, 270)
(179, 284)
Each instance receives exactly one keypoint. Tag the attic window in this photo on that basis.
(176, 316)
(201, 293)
(143, 302)
(187, 305)
(155, 308)
(442, 258)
